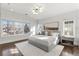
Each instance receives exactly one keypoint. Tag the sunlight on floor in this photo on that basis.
(14, 50)
(67, 54)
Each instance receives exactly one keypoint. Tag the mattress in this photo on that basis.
(43, 42)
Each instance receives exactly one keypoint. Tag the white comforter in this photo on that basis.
(45, 40)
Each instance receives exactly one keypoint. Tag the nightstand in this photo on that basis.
(67, 41)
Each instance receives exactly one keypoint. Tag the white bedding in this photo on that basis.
(45, 42)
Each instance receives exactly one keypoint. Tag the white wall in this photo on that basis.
(0, 18)
(6, 14)
(74, 15)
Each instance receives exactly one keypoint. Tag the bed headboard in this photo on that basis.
(51, 27)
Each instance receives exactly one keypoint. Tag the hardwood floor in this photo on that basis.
(11, 50)
(70, 51)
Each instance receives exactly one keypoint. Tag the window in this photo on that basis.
(3, 27)
(69, 28)
(13, 27)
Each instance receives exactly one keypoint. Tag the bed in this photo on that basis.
(43, 42)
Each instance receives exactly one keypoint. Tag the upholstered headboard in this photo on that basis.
(51, 27)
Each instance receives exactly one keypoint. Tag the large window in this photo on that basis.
(13, 27)
(69, 28)
(4, 28)
(19, 27)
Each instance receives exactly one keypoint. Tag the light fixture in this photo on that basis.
(14, 50)
(37, 9)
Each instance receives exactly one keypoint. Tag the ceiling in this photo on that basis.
(50, 9)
